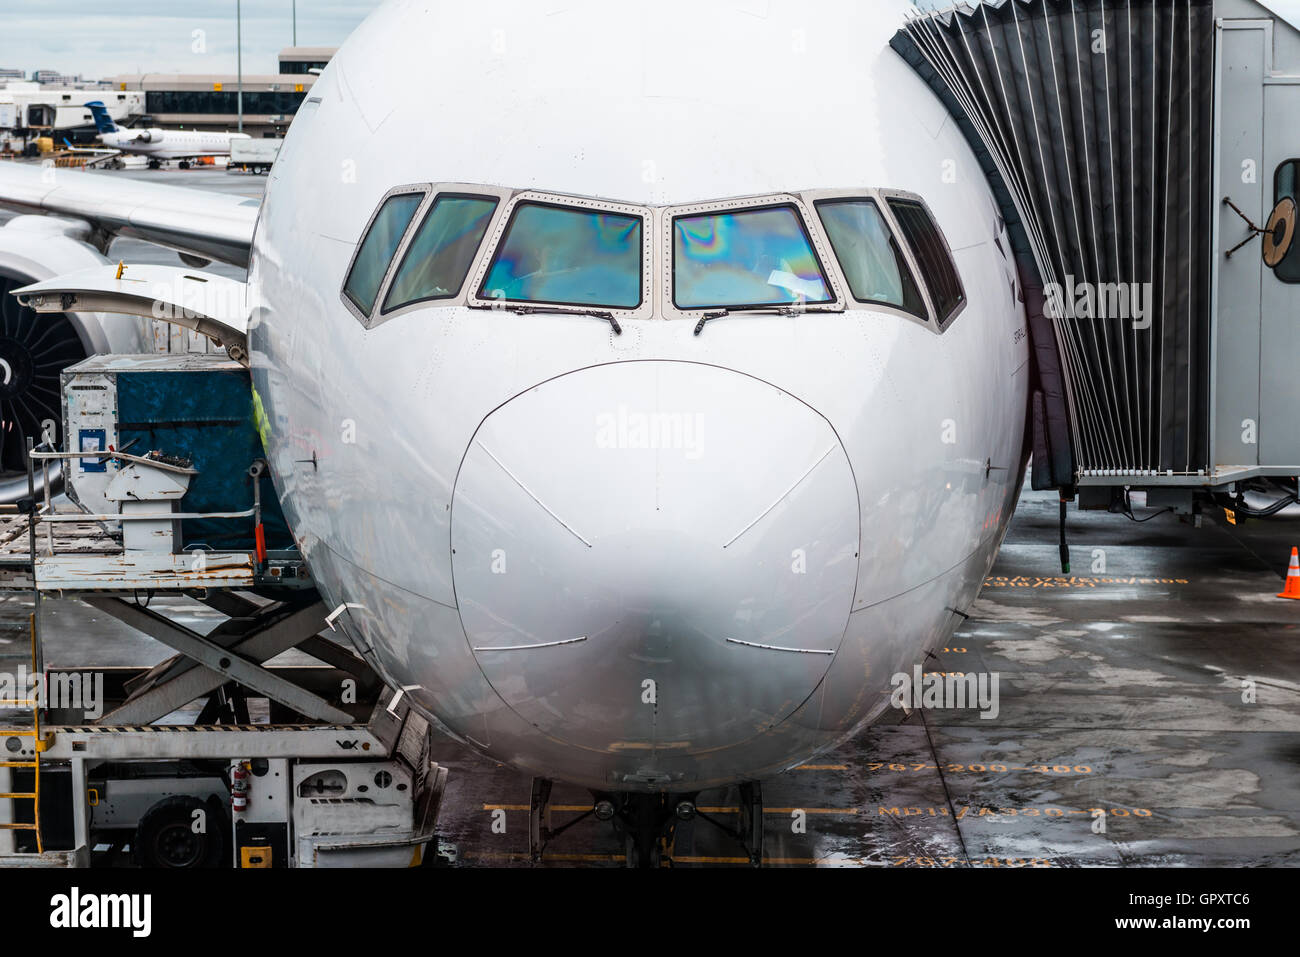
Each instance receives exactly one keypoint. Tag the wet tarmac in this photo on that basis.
(1148, 714)
(1122, 737)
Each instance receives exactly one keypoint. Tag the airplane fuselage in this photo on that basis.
(659, 560)
(170, 144)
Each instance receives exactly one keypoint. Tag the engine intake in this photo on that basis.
(35, 349)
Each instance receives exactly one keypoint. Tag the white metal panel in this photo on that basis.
(1279, 438)
(81, 572)
(89, 408)
(212, 305)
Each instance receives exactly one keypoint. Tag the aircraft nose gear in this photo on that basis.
(648, 823)
(749, 834)
(540, 832)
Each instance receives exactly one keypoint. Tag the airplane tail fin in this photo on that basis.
(103, 122)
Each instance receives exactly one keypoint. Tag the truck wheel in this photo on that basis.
(166, 837)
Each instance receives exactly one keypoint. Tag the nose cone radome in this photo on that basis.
(655, 559)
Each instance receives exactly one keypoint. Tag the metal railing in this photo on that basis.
(46, 514)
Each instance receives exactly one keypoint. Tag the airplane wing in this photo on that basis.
(90, 150)
(198, 223)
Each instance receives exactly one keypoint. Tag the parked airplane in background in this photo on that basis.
(646, 412)
(158, 144)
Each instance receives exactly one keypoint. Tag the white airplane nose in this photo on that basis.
(633, 573)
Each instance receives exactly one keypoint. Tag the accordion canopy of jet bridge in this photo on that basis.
(1162, 358)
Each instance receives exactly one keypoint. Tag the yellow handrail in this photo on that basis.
(38, 745)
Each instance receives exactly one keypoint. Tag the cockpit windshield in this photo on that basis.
(559, 255)
(822, 250)
(746, 259)
(439, 257)
(379, 246)
(872, 262)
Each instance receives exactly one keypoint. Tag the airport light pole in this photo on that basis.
(239, 61)
(295, 22)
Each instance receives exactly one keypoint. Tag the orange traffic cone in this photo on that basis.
(1292, 589)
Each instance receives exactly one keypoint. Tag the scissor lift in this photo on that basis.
(215, 756)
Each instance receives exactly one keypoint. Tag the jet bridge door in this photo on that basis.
(1240, 142)
(1279, 433)
(1257, 313)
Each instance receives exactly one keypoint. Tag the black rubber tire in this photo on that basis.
(165, 837)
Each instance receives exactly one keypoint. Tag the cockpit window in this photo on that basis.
(439, 257)
(746, 259)
(377, 249)
(872, 262)
(565, 256)
(932, 256)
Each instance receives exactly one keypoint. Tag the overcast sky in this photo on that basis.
(99, 38)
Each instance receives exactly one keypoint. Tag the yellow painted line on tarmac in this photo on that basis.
(1075, 581)
(822, 767)
(784, 810)
(679, 859)
(768, 860)
(520, 856)
(707, 810)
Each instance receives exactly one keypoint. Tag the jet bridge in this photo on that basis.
(1146, 158)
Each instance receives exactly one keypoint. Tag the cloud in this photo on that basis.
(96, 40)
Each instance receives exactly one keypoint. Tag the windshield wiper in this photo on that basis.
(520, 310)
(708, 317)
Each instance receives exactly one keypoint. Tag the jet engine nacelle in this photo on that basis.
(35, 349)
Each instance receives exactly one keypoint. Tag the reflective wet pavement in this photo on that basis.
(1125, 733)
(1122, 737)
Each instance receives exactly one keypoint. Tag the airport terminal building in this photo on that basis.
(199, 101)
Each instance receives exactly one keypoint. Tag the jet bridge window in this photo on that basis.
(565, 256)
(869, 255)
(747, 259)
(1287, 186)
(377, 249)
(439, 257)
(938, 271)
